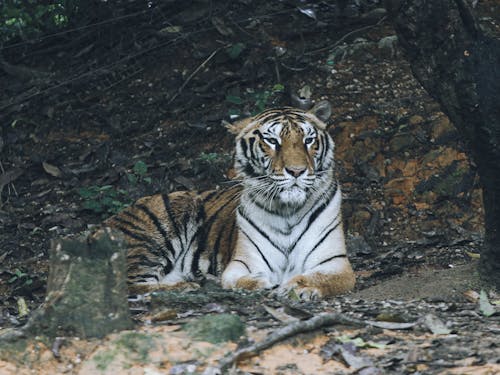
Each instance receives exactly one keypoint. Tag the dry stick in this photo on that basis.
(193, 74)
(319, 321)
(360, 30)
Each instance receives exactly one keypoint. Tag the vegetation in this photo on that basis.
(257, 100)
(29, 19)
(108, 199)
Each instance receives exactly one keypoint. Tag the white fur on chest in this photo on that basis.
(292, 245)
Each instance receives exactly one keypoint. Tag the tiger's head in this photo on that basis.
(284, 155)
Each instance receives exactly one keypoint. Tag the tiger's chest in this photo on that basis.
(286, 245)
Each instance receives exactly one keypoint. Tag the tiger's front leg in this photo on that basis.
(247, 270)
(238, 276)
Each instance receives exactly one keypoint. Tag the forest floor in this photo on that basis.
(96, 118)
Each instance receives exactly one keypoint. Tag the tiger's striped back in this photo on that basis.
(169, 236)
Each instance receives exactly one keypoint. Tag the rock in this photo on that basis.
(402, 141)
(216, 328)
(442, 129)
(416, 120)
(357, 245)
(360, 219)
(400, 189)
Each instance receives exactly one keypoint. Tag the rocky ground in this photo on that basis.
(95, 118)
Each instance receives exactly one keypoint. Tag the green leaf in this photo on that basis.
(278, 87)
(132, 178)
(360, 343)
(233, 112)
(147, 180)
(140, 168)
(93, 206)
(485, 306)
(86, 193)
(235, 50)
(234, 99)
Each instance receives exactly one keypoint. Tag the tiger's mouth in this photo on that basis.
(293, 195)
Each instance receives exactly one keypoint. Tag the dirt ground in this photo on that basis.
(93, 119)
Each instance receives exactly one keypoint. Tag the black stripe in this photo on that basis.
(250, 171)
(244, 146)
(204, 230)
(325, 145)
(124, 226)
(261, 232)
(147, 242)
(159, 227)
(171, 215)
(329, 259)
(143, 260)
(210, 195)
(319, 243)
(231, 234)
(252, 143)
(313, 217)
(212, 268)
(242, 262)
(260, 252)
(143, 276)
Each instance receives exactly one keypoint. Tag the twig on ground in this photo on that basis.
(193, 74)
(319, 321)
(343, 38)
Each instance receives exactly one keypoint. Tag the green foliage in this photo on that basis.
(105, 200)
(211, 163)
(234, 51)
(108, 200)
(258, 100)
(103, 359)
(137, 344)
(28, 19)
(138, 173)
(20, 276)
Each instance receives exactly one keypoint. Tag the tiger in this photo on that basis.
(278, 227)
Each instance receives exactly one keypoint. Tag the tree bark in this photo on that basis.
(459, 66)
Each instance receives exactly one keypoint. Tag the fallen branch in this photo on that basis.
(193, 74)
(344, 37)
(319, 321)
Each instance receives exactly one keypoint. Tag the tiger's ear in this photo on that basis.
(238, 126)
(322, 110)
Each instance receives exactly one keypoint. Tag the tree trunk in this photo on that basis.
(459, 66)
(87, 290)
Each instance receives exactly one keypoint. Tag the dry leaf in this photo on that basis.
(280, 315)
(471, 295)
(52, 169)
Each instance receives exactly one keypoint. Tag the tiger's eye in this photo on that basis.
(272, 141)
(308, 141)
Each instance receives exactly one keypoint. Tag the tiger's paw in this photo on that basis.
(252, 283)
(299, 288)
(183, 286)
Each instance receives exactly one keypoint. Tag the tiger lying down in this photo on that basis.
(280, 228)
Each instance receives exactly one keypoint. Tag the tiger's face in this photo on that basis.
(284, 154)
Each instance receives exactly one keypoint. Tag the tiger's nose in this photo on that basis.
(295, 171)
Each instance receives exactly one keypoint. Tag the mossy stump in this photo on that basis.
(86, 289)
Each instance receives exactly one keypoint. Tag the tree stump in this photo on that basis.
(87, 290)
